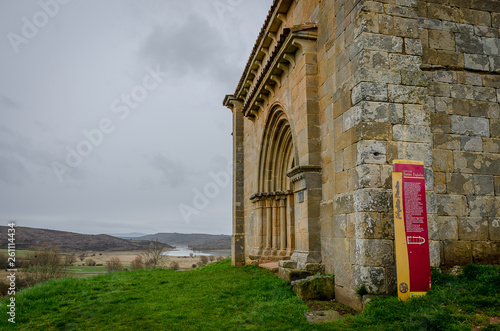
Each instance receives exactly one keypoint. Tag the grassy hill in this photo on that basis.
(197, 241)
(27, 237)
(222, 297)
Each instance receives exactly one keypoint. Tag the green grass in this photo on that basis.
(222, 297)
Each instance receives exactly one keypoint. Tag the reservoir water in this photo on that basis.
(186, 251)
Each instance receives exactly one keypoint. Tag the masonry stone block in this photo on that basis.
(412, 133)
(483, 206)
(471, 143)
(372, 252)
(407, 94)
(379, 42)
(371, 151)
(416, 114)
(473, 126)
(494, 63)
(457, 253)
(459, 183)
(435, 253)
(414, 78)
(442, 160)
(373, 278)
(368, 91)
(472, 228)
(476, 62)
(413, 46)
(367, 175)
(452, 205)
(367, 74)
(448, 227)
(468, 43)
(483, 185)
(440, 39)
(415, 151)
(486, 252)
(494, 228)
(478, 163)
(491, 145)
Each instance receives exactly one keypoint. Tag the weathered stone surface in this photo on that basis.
(413, 46)
(452, 205)
(491, 145)
(315, 288)
(367, 74)
(442, 160)
(472, 228)
(448, 227)
(379, 42)
(477, 62)
(372, 252)
(457, 253)
(473, 126)
(494, 228)
(416, 114)
(415, 151)
(459, 183)
(468, 43)
(405, 62)
(483, 206)
(371, 151)
(407, 94)
(415, 78)
(483, 185)
(486, 252)
(479, 163)
(472, 144)
(373, 278)
(439, 39)
(413, 133)
(368, 91)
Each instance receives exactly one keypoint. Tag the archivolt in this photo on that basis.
(277, 153)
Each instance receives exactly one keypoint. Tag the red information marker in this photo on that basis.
(410, 227)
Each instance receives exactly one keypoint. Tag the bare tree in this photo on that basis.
(69, 259)
(153, 254)
(137, 263)
(114, 264)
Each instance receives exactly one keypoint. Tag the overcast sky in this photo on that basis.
(111, 116)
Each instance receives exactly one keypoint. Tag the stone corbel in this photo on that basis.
(283, 66)
(307, 46)
(270, 89)
(282, 18)
(276, 79)
(290, 58)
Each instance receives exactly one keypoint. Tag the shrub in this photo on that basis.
(194, 265)
(211, 258)
(137, 263)
(203, 259)
(46, 262)
(4, 263)
(82, 257)
(90, 263)
(114, 264)
(174, 265)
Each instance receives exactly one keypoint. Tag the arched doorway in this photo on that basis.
(274, 237)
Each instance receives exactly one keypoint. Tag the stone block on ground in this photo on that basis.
(322, 316)
(315, 288)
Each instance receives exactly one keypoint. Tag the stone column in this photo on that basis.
(238, 236)
(291, 225)
(260, 226)
(283, 224)
(269, 224)
(275, 230)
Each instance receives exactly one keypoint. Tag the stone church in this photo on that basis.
(332, 93)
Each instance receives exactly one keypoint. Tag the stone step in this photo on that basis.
(273, 266)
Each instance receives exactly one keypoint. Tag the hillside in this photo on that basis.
(26, 238)
(196, 241)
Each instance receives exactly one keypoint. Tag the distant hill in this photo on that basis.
(26, 238)
(196, 241)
